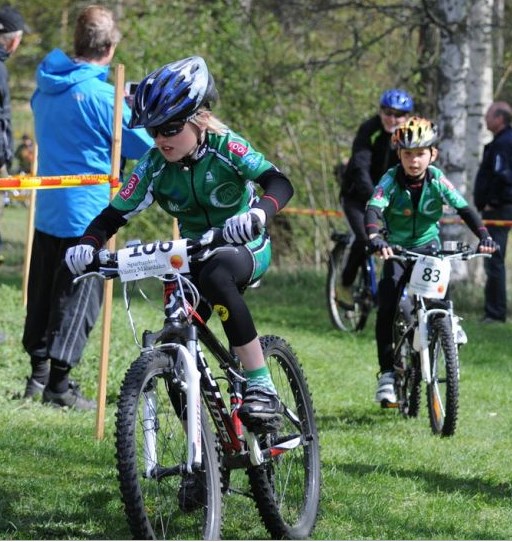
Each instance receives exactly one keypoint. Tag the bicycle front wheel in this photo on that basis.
(346, 319)
(161, 501)
(287, 487)
(443, 391)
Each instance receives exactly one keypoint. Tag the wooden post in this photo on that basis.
(29, 235)
(111, 245)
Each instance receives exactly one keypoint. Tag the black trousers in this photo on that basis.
(395, 275)
(354, 212)
(495, 304)
(60, 315)
(221, 281)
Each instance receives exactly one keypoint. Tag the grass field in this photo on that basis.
(384, 477)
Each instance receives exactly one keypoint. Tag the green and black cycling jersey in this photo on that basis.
(201, 193)
(411, 210)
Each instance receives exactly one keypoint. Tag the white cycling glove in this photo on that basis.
(78, 258)
(243, 228)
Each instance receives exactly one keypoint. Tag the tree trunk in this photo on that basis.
(479, 85)
(452, 99)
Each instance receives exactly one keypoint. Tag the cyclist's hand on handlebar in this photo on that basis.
(245, 227)
(78, 258)
(487, 245)
(380, 245)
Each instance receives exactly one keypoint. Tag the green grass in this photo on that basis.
(384, 477)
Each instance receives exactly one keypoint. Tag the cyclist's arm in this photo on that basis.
(278, 190)
(473, 221)
(103, 227)
(373, 220)
(360, 162)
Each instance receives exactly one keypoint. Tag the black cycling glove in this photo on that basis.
(488, 242)
(377, 244)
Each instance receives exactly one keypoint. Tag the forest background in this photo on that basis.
(297, 77)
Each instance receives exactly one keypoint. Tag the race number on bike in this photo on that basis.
(430, 277)
(152, 260)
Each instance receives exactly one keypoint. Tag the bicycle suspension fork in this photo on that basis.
(421, 340)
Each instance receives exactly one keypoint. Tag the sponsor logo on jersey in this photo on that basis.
(173, 207)
(447, 183)
(129, 188)
(252, 160)
(209, 178)
(379, 194)
(430, 207)
(237, 148)
(226, 195)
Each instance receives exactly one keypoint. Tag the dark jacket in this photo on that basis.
(371, 157)
(493, 183)
(6, 139)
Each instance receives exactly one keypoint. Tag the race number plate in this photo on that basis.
(152, 260)
(430, 277)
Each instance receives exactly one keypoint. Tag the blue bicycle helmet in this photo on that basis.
(173, 92)
(397, 99)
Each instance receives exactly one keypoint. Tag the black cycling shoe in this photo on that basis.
(261, 411)
(191, 494)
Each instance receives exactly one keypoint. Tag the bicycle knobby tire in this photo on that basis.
(443, 391)
(342, 318)
(286, 489)
(149, 419)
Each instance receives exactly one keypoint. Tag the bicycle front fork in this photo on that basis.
(421, 340)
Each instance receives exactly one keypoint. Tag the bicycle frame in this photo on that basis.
(241, 447)
(423, 314)
(372, 274)
(198, 380)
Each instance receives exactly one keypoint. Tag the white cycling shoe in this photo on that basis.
(386, 389)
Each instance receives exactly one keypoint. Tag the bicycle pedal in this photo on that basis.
(388, 404)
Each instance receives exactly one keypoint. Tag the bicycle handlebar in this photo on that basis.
(462, 252)
(105, 263)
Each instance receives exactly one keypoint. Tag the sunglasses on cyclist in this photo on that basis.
(167, 130)
(393, 112)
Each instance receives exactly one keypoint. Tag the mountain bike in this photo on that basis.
(364, 288)
(174, 456)
(428, 337)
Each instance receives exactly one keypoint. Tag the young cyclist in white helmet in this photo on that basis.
(202, 173)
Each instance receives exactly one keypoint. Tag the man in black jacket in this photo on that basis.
(12, 27)
(371, 157)
(493, 198)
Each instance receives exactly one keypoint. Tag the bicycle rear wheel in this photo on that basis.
(151, 445)
(342, 318)
(287, 487)
(443, 391)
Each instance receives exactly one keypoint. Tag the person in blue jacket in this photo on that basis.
(73, 107)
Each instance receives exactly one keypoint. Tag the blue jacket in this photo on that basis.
(73, 109)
